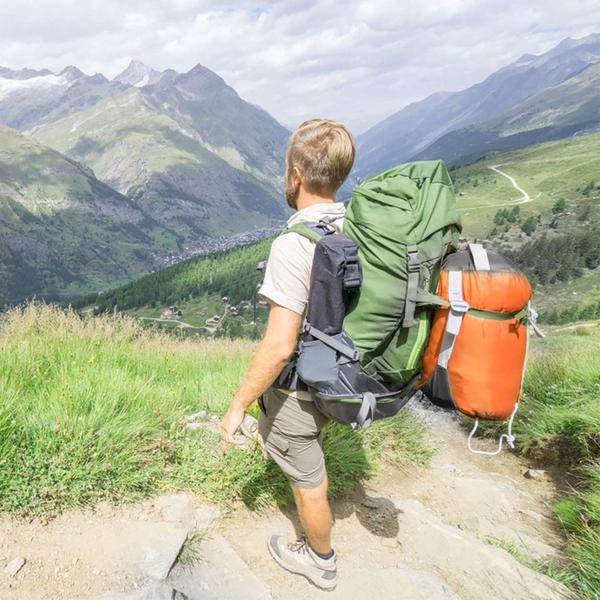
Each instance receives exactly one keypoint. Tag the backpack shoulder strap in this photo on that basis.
(312, 231)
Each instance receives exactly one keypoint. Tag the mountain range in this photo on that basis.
(61, 228)
(100, 178)
(181, 152)
(534, 99)
(186, 149)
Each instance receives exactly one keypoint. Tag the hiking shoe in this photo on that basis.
(300, 558)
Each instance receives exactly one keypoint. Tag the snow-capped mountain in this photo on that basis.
(138, 74)
(31, 97)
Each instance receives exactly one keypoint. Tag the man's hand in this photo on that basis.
(230, 423)
(272, 354)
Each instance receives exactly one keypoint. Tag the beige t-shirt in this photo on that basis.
(287, 275)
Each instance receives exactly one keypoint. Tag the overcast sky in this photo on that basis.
(357, 61)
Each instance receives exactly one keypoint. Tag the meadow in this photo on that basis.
(94, 409)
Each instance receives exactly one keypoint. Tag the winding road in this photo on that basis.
(526, 197)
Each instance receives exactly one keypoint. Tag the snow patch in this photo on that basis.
(10, 86)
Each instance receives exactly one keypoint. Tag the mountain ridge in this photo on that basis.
(411, 131)
(187, 148)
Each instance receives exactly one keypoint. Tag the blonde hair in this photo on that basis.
(323, 151)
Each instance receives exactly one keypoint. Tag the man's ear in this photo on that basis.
(297, 176)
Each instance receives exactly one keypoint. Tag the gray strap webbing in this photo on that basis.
(366, 414)
(412, 285)
(480, 257)
(458, 307)
(338, 346)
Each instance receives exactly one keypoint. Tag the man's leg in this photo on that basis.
(291, 431)
(315, 515)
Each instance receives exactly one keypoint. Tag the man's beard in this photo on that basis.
(291, 195)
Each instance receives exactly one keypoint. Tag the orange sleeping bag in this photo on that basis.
(475, 358)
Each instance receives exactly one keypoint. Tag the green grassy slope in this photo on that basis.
(62, 230)
(196, 286)
(94, 410)
(562, 180)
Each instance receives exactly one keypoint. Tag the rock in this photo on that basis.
(205, 516)
(447, 467)
(466, 563)
(373, 503)
(194, 426)
(199, 416)
(212, 424)
(155, 591)
(14, 566)
(2, 557)
(401, 583)
(159, 559)
(533, 515)
(176, 508)
(537, 474)
(220, 574)
(526, 543)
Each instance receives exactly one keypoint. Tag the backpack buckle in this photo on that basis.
(460, 306)
(413, 260)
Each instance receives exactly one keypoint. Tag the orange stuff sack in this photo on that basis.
(476, 354)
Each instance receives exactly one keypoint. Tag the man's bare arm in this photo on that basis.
(272, 354)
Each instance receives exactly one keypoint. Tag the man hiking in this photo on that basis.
(319, 158)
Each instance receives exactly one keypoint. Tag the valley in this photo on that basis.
(547, 192)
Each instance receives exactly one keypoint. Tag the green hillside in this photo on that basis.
(62, 230)
(196, 286)
(553, 236)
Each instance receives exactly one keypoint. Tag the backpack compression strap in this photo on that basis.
(314, 231)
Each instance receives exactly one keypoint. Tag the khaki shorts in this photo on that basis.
(291, 431)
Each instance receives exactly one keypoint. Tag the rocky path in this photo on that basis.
(421, 533)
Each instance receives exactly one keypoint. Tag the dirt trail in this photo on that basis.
(419, 533)
(524, 199)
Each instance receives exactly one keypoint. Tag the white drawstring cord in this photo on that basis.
(510, 438)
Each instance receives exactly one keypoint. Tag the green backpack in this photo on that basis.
(372, 291)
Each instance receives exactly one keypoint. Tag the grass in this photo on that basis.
(190, 553)
(93, 410)
(559, 421)
(541, 566)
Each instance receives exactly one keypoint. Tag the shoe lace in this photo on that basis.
(300, 546)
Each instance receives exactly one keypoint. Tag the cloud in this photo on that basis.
(357, 61)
